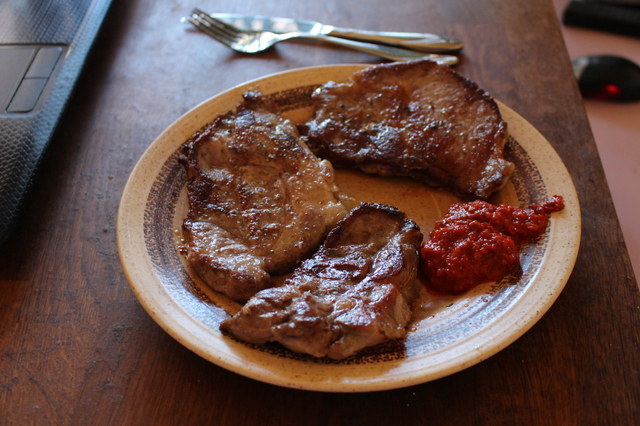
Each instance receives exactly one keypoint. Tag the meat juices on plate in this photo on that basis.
(354, 292)
(259, 200)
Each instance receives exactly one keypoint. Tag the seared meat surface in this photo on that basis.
(416, 119)
(259, 200)
(353, 293)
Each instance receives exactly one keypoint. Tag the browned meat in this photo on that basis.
(353, 293)
(259, 200)
(416, 119)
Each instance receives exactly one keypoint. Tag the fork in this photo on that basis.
(247, 41)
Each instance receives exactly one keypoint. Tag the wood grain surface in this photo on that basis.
(78, 348)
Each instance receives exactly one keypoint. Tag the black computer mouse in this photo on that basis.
(607, 77)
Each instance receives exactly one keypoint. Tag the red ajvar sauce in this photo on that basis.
(478, 242)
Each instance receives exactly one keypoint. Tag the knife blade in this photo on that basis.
(423, 42)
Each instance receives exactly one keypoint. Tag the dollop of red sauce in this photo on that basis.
(479, 242)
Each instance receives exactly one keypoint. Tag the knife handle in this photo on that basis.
(384, 51)
(415, 41)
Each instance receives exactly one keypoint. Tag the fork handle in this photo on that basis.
(423, 42)
(384, 51)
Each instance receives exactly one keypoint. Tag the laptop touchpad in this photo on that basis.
(25, 71)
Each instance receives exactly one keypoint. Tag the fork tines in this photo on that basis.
(213, 27)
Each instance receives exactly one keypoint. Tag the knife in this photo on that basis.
(416, 41)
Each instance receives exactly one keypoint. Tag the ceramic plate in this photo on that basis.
(448, 334)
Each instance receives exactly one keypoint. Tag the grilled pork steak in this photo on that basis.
(416, 119)
(353, 293)
(259, 200)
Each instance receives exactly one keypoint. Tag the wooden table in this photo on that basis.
(78, 348)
